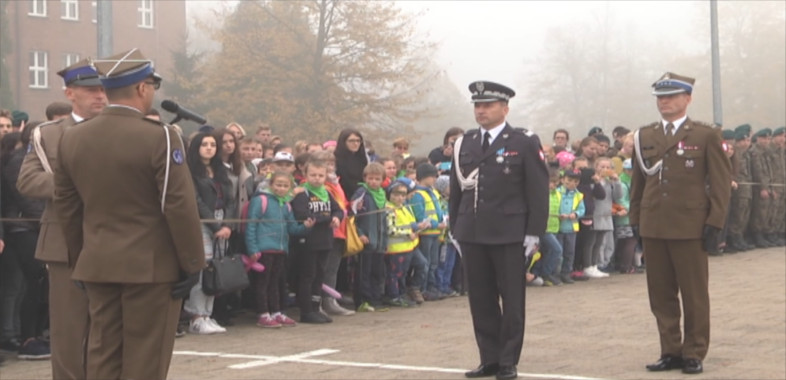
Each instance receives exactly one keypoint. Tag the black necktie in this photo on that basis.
(486, 140)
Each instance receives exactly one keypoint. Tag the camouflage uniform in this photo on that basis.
(777, 224)
(760, 210)
(741, 202)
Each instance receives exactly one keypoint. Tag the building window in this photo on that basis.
(145, 13)
(94, 4)
(70, 59)
(37, 8)
(69, 9)
(38, 69)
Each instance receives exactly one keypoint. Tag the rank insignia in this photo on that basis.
(689, 164)
(177, 156)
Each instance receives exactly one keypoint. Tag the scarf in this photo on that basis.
(281, 200)
(319, 192)
(378, 195)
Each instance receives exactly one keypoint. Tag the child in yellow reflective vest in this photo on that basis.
(402, 242)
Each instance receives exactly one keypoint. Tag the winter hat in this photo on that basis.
(442, 184)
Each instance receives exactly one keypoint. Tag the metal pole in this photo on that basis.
(717, 106)
(104, 27)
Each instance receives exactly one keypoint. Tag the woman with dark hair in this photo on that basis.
(216, 201)
(351, 159)
(242, 190)
(442, 156)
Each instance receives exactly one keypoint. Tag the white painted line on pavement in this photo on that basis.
(263, 360)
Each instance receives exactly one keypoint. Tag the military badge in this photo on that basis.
(690, 164)
(177, 156)
(500, 159)
(480, 87)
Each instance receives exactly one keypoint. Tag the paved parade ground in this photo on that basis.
(597, 329)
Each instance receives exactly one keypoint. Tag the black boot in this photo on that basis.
(747, 242)
(316, 306)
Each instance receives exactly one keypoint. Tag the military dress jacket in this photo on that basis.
(744, 176)
(36, 182)
(512, 189)
(109, 183)
(692, 189)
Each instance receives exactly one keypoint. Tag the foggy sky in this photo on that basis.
(490, 40)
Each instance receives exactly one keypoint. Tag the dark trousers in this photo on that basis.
(625, 253)
(311, 269)
(268, 299)
(398, 265)
(371, 272)
(679, 267)
(20, 253)
(68, 323)
(494, 272)
(132, 330)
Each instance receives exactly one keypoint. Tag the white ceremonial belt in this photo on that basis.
(469, 182)
(652, 170)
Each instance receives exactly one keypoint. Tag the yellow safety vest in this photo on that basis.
(577, 198)
(403, 244)
(430, 210)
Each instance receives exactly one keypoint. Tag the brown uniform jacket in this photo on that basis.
(694, 187)
(35, 182)
(108, 187)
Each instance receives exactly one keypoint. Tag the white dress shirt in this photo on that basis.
(677, 124)
(493, 133)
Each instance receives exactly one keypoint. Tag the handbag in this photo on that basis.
(354, 244)
(226, 273)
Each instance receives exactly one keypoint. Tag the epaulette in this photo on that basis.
(654, 124)
(52, 122)
(473, 133)
(702, 124)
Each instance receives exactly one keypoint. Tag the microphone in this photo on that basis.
(182, 113)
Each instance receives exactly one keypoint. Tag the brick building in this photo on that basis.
(48, 35)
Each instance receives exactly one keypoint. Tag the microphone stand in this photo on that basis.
(175, 120)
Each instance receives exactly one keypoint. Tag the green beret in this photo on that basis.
(17, 117)
(745, 127)
(766, 132)
(740, 135)
(728, 134)
(779, 131)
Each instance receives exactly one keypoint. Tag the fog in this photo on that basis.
(579, 64)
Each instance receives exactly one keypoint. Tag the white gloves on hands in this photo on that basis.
(530, 245)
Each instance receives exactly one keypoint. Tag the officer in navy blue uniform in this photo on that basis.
(498, 208)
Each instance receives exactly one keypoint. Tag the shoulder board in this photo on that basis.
(472, 132)
(701, 124)
(53, 122)
(652, 125)
(524, 131)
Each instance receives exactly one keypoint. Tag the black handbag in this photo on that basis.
(225, 273)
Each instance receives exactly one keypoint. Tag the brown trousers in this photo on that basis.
(68, 323)
(132, 330)
(679, 266)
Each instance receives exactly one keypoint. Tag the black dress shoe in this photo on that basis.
(692, 366)
(483, 370)
(507, 372)
(665, 363)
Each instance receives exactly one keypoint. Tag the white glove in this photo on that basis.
(530, 244)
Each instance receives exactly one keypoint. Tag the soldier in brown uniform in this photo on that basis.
(762, 191)
(741, 195)
(679, 220)
(129, 216)
(68, 321)
(778, 170)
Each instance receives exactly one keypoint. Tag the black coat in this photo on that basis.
(16, 205)
(513, 195)
(207, 198)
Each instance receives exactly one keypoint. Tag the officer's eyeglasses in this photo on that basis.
(156, 84)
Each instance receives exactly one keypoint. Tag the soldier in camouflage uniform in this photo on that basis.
(741, 194)
(762, 192)
(778, 167)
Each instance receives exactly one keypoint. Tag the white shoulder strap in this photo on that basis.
(637, 147)
(39, 150)
(166, 171)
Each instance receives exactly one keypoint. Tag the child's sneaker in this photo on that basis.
(268, 322)
(398, 302)
(365, 307)
(285, 321)
(201, 326)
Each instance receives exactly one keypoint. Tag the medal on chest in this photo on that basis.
(680, 148)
